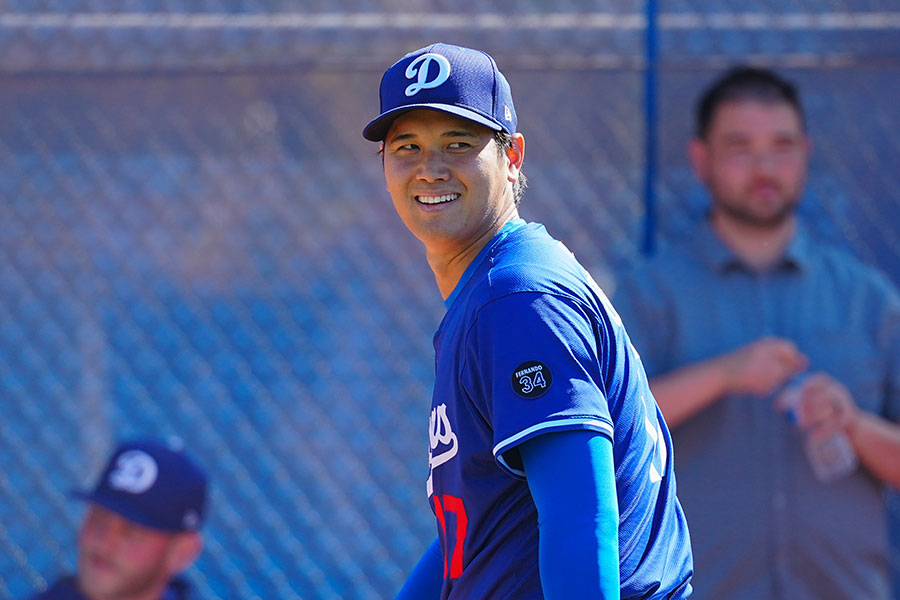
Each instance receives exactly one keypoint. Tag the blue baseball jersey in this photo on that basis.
(531, 345)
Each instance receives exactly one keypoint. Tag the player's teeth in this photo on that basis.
(436, 199)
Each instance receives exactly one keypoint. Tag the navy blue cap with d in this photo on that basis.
(452, 79)
(151, 484)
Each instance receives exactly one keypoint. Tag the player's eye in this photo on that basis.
(737, 152)
(786, 144)
(458, 145)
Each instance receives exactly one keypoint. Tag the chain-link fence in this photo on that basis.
(195, 241)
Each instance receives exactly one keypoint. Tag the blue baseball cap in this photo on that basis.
(452, 79)
(151, 484)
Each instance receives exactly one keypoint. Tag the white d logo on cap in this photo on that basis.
(135, 472)
(421, 73)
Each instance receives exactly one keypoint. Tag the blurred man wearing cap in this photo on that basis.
(551, 471)
(141, 529)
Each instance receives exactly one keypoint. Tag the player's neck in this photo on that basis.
(449, 263)
(448, 268)
(758, 247)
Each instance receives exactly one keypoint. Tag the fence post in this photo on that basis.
(651, 41)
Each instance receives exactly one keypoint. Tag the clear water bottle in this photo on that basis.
(831, 457)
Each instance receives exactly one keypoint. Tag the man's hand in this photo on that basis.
(825, 406)
(761, 367)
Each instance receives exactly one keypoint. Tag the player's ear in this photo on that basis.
(515, 156)
(698, 152)
(185, 549)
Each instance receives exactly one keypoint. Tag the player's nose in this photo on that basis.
(432, 167)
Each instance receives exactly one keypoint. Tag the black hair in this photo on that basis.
(744, 83)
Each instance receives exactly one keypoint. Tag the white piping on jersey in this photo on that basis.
(594, 424)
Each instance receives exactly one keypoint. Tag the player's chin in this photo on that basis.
(102, 586)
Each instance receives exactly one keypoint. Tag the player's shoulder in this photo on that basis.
(531, 260)
(179, 589)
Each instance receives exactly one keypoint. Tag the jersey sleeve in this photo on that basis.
(571, 477)
(536, 363)
(427, 577)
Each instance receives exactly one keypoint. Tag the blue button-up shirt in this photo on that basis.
(762, 526)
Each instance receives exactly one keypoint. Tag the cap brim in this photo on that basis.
(377, 129)
(121, 509)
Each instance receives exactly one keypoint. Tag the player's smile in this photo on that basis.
(96, 565)
(432, 200)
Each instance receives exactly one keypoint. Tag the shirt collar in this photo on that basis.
(721, 258)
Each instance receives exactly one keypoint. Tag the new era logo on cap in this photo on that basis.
(452, 79)
(154, 485)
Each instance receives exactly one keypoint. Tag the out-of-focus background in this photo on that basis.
(196, 243)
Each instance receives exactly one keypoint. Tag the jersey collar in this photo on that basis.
(508, 228)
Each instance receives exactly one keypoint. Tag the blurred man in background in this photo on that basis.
(141, 529)
(776, 361)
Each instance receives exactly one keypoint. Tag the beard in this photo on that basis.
(758, 213)
(757, 220)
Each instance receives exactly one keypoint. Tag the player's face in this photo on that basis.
(119, 559)
(448, 181)
(753, 161)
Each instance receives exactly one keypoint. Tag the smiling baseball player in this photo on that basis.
(550, 470)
